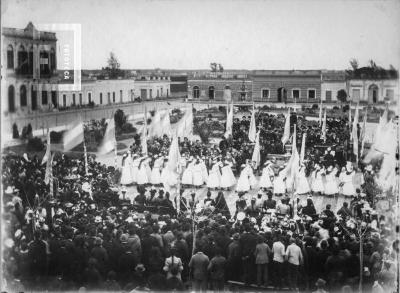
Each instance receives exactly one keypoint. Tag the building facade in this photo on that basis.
(286, 85)
(373, 91)
(152, 87)
(332, 82)
(29, 70)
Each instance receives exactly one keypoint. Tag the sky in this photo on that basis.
(254, 34)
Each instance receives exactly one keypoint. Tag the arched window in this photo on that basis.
(196, 92)
(22, 60)
(44, 62)
(30, 60)
(11, 98)
(10, 57)
(211, 93)
(22, 96)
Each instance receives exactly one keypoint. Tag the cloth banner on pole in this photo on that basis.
(256, 157)
(229, 121)
(252, 129)
(354, 133)
(48, 149)
(303, 147)
(323, 136)
(73, 137)
(109, 142)
(144, 133)
(286, 133)
(320, 114)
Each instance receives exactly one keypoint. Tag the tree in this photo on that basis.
(220, 68)
(113, 68)
(213, 67)
(342, 96)
(372, 64)
(119, 118)
(354, 64)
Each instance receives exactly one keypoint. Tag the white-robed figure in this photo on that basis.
(155, 178)
(126, 175)
(279, 181)
(135, 167)
(227, 178)
(187, 175)
(252, 178)
(317, 183)
(346, 179)
(197, 172)
(331, 184)
(204, 171)
(214, 176)
(302, 185)
(143, 174)
(267, 176)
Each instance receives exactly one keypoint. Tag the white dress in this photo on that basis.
(243, 184)
(142, 176)
(214, 178)
(135, 169)
(302, 185)
(156, 171)
(331, 186)
(187, 176)
(198, 175)
(265, 180)
(279, 183)
(126, 175)
(348, 186)
(317, 184)
(227, 178)
(204, 171)
(252, 178)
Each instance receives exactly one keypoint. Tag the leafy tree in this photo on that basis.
(15, 133)
(220, 68)
(213, 67)
(119, 118)
(342, 96)
(113, 69)
(354, 64)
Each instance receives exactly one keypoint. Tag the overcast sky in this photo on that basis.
(253, 34)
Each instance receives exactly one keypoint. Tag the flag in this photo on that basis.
(185, 125)
(47, 153)
(144, 133)
(303, 147)
(49, 169)
(374, 151)
(286, 133)
(109, 142)
(354, 133)
(155, 128)
(86, 160)
(363, 132)
(350, 126)
(73, 136)
(320, 114)
(323, 135)
(256, 152)
(292, 166)
(166, 125)
(229, 121)
(174, 156)
(252, 129)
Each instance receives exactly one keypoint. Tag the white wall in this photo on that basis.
(334, 87)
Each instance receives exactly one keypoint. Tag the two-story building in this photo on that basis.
(29, 70)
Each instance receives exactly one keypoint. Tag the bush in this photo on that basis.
(128, 128)
(222, 109)
(314, 107)
(119, 118)
(346, 108)
(15, 133)
(24, 133)
(35, 144)
(56, 137)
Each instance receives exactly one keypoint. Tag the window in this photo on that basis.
(162, 94)
(44, 63)
(167, 93)
(44, 97)
(30, 60)
(311, 94)
(52, 59)
(22, 58)
(150, 93)
(120, 96)
(73, 100)
(10, 57)
(356, 94)
(101, 98)
(11, 99)
(54, 98)
(296, 94)
(89, 97)
(65, 100)
(390, 94)
(108, 98)
(158, 93)
(113, 97)
(328, 95)
(196, 92)
(34, 98)
(265, 93)
(22, 96)
(80, 98)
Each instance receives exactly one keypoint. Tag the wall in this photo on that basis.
(334, 87)
(364, 86)
(219, 87)
(153, 88)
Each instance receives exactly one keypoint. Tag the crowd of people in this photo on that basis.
(95, 232)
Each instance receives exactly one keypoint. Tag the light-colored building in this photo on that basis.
(332, 82)
(152, 87)
(29, 70)
(99, 92)
(373, 91)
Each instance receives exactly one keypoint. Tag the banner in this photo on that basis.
(109, 142)
(256, 157)
(73, 137)
(252, 129)
(286, 133)
(229, 121)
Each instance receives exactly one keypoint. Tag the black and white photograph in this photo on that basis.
(200, 146)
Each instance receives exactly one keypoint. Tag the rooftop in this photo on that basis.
(30, 32)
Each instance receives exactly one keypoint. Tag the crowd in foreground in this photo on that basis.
(89, 236)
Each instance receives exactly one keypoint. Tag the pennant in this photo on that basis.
(363, 132)
(320, 115)
(73, 137)
(86, 160)
(293, 164)
(49, 170)
(185, 125)
(303, 147)
(109, 142)
(253, 129)
(174, 156)
(166, 125)
(286, 133)
(229, 121)
(374, 152)
(155, 128)
(256, 157)
(350, 126)
(143, 141)
(354, 133)
(323, 135)
(48, 147)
